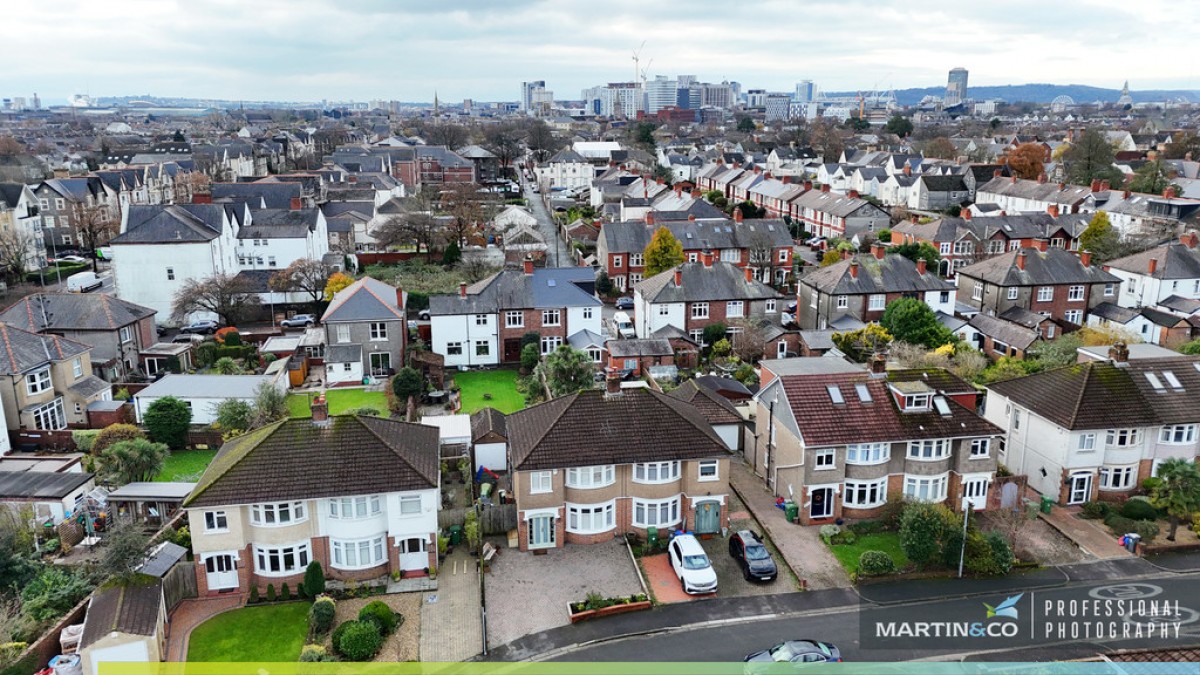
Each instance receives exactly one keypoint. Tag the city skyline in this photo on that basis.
(318, 49)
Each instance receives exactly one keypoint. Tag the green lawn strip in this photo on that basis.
(273, 633)
(888, 542)
(501, 384)
(340, 401)
(185, 465)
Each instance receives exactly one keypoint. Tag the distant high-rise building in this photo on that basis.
(37, 102)
(777, 106)
(804, 91)
(717, 95)
(661, 93)
(756, 98)
(686, 81)
(527, 89)
(956, 86)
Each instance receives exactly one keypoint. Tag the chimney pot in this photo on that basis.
(1021, 260)
(853, 269)
(691, 217)
(1119, 353)
(320, 410)
(462, 289)
(1152, 266)
(528, 264)
(707, 256)
(678, 277)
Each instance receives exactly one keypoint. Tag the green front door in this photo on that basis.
(708, 517)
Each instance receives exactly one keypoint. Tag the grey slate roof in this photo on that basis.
(721, 233)
(892, 274)
(621, 349)
(487, 420)
(89, 386)
(131, 609)
(585, 338)
(39, 485)
(163, 559)
(271, 195)
(22, 351)
(1175, 261)
(10, 194)
(722, 281)
(172, 224)
(365, 300)
(72, 311)
(1010, 333)
(279, 224)
(1179, 303)
(548, 287)
(344, 354)
(1033, 190)
(1050, 267)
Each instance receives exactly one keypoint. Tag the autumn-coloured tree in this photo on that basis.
(337, 281)
(305, 275)
(1027, 160)
(662, 253)
(10, 147)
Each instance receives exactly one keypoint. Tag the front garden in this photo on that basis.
(1170, 503)
(261, 633)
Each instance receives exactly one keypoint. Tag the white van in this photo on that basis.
(83, 282)
(623, 326)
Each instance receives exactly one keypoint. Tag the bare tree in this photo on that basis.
(418, 228)
(475, 268)
(467, 209)
(302, 276)
(452, 136)
(10, 147)
(15, 249)
(94, 225)
(226, 295)
(749, 343)
(540, 140)
(762, 250)
(504, 142)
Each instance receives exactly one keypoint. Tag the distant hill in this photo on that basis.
(1041, 93)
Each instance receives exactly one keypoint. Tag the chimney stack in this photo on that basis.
(767, 175)
(907, 170)
(1014, 178)
(807, 185)
(1042, 178)
(1105, 186)
(1169, 192)
(878, 250)
(1021, 259)
(462, 290)
(679, 191)
(853, 269)
(1041, 244)
(878, 364)
(914, 218)
(853, 194)
(678, 277)
(707, 257)
(1126, 194)
(320, 410)
(296, 204)
(528, 265)
(1052, 210)
(1095, 185)
(1152, 266)
(1085, 258)
(787, 180)
(612, 382)
(691, 217)
(352, 178)
(737, 214)
(1119, 353)
(825, 187)
(997, 173)
(921, 266)
(965, 214)
(749, 274)
(845, 254)
(1062, 186)
(1189, 239)
(649, 217)
(202, 198)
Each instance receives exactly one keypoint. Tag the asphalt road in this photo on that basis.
(1069, 622)
(557, 255)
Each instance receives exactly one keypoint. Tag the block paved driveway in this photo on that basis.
(529, 593)
(451, 625)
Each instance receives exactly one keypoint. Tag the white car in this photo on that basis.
(692, 565)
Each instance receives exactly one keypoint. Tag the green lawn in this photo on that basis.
(888, 542)
(501, 384)
(340, 400)
(185, 465)
(263, 633)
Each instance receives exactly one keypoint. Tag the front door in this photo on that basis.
(1081, 488)
(541, 532)
(221, 572)
(708, 517)
(975, 491)
(412, 554)
(512, 350)
(822, 503)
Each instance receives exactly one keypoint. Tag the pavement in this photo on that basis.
(451, 616)
(191, 613)
(1091, 536)
(800, 547)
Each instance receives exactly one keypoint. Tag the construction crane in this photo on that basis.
(637, 55)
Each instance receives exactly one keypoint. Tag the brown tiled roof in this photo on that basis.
(590, 428)
(295, 459)
(485, 421)
(1093, 395)
(716, 408)
(825, 423)
(1180, 656)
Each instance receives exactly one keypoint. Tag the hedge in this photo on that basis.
(875, 563)
(54, 271)
(1137, 509)
(359, 640)
(239, 352)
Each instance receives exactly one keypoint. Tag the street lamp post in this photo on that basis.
(962, 553)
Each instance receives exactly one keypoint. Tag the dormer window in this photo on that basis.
(916, 402)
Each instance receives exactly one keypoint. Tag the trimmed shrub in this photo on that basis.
(875, 563)
(314, 579)
(84, 438)
(314, 654)
(253, 595)
(336, 638)
(379, 613)
(320, 615)
(1148, 529)
(988, 554)
(168, 419)
(828, 532)
(868, 527)
(1120, 524)
(113, 434)
(1096, 510)
(359, 641)
(206, 354)
(270, 592)
(1137, 509)
(285, 593)
(926, 530)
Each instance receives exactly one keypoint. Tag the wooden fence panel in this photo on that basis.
(180, 583)
(498, 519)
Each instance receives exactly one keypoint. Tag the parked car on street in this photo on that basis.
(691, 565)
(748, 550)
(190, 338)
(299, 321)
(423, 315)
(200, 328)
(625, 302)
(77, 259)
(798, 651)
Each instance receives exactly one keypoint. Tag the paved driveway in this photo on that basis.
(528, 593)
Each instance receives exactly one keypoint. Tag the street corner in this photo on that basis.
(661, 580)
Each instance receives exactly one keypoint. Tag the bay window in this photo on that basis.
(274, 515)
(281, 561)
(37, 381)
(656, 513)
(587, 477)
(865, 494)
(926, 488)
(868, 453)
(359, 554)
(1178, 434)
(1123, 438)
(591, 519)
(354, 507)
(1117, 477)
(929, 449)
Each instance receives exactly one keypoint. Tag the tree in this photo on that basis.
(925, 529)
(643, 134)
(18, 249)
(115, 433)
(95, 225)
(1027, 160)
(540, 140)
(503, 141)
(714, 333)
(407, 384)
(305, 275)
(337, 282)
(132, 461)
(911, 320)
(123, 552)
(1090, 157)
(663, 173)
(831, 257)
(899, 125)
(859, 345)
(604, 285)
(915, 251)
(167, 419)
(1151, 178)
(270, 405)
(314, 580)
(567, 370)
(228, 296)
(750, 341)
(452, 254)
(227, 366)
(663, 252)
(1178, 493)
(940, 148)
(1101, 238)
(531, 356)
(746, 125)
(466, 208)
(234, 415)
(10, 147)
(452, 136)
(857, 124)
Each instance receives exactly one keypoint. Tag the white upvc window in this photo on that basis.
(637, 260)
(731, 255)
(1087, 442)
(1045, 293)
(540, 482)
(783, 255)
(410, 505)
(1178, 434)
(877, 302)
(349, 508)
(551, 317)
(944, 248)
(378, 331)
(550, 343)
(126, 334)
(981, 448)
(587, 312)
(865, 494)
(514, 319)
(1117, 477)
(483, 348)
(37, 381)
(1075, 293)
(699, 310)
(215, 521)
(770, 307)
(591, 518)
(343, 332)
(278, 514)
(868, 453)
(656, 472)
(929, 449)
(588, 477)
(1013, 292)
(51, 416)
(453, 349)
(281, 561)
(77, 368)
(842, 301)
(735, 309)
(709, 470)
(926, 488)
(916, 402)
(1111, 289)
(617, 260)
(360, 553)
(1123, 438)
(825, 458)
(977, 291)
(656, 513)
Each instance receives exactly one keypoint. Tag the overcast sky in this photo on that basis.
(484, 49)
